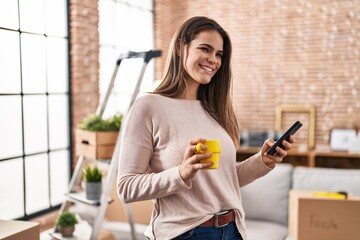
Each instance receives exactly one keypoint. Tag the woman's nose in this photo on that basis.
(212, 58)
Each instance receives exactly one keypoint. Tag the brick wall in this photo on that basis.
(303, 52)
(284, 52)
(165, 20)
(84, 55)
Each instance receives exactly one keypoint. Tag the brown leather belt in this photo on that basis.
(220, 219)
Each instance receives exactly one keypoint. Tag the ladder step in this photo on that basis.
(80, 197)
(82, 232)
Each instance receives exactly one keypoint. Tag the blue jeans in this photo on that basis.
(229, 232)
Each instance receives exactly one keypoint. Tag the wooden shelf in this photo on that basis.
(80, 197)
(248, 150)
(82, 232)
(311, 155)
(253, 150)
(325, 151)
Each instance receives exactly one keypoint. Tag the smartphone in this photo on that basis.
(291, 131)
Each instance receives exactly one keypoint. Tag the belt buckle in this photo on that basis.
(216, 219)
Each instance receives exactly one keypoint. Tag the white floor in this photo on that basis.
(120, 230)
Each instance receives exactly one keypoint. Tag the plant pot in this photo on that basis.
(93, 190)
(66, 231)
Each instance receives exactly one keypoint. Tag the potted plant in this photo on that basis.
(65, 223)
(92, 177)
(97, 123)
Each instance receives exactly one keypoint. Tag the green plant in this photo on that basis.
(92, 174)
(96, 123)
(66, 219)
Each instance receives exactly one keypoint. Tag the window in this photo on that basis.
(34, 103)
(124, 26)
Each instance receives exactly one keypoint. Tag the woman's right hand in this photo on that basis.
(191, 162)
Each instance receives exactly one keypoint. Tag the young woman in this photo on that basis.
(158, 158)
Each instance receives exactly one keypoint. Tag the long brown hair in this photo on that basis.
(214, 96)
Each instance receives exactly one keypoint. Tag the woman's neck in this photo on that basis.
(190, 91)
(187, 95)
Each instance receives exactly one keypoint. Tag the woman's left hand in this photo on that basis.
(271, 160)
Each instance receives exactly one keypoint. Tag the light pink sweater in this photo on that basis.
(154, 137)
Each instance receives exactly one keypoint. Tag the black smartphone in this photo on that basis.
(291, 131)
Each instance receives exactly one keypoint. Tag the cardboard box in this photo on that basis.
(95, 145)
(19, 230)
(141, 210)
(314, 217)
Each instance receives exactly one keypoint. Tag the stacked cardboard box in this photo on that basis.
(95, 145)
(313, 217)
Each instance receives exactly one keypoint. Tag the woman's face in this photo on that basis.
(203, 57)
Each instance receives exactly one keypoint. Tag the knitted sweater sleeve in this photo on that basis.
(251, 169)
(135, 182)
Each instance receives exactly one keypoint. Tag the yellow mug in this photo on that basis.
(213, 146)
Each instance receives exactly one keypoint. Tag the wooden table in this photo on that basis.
(16, 230)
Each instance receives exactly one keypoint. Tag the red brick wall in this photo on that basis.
(284, 52)
(305, 52)
(165, 22)
(84, 64)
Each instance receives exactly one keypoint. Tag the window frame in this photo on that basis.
(67, 150)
